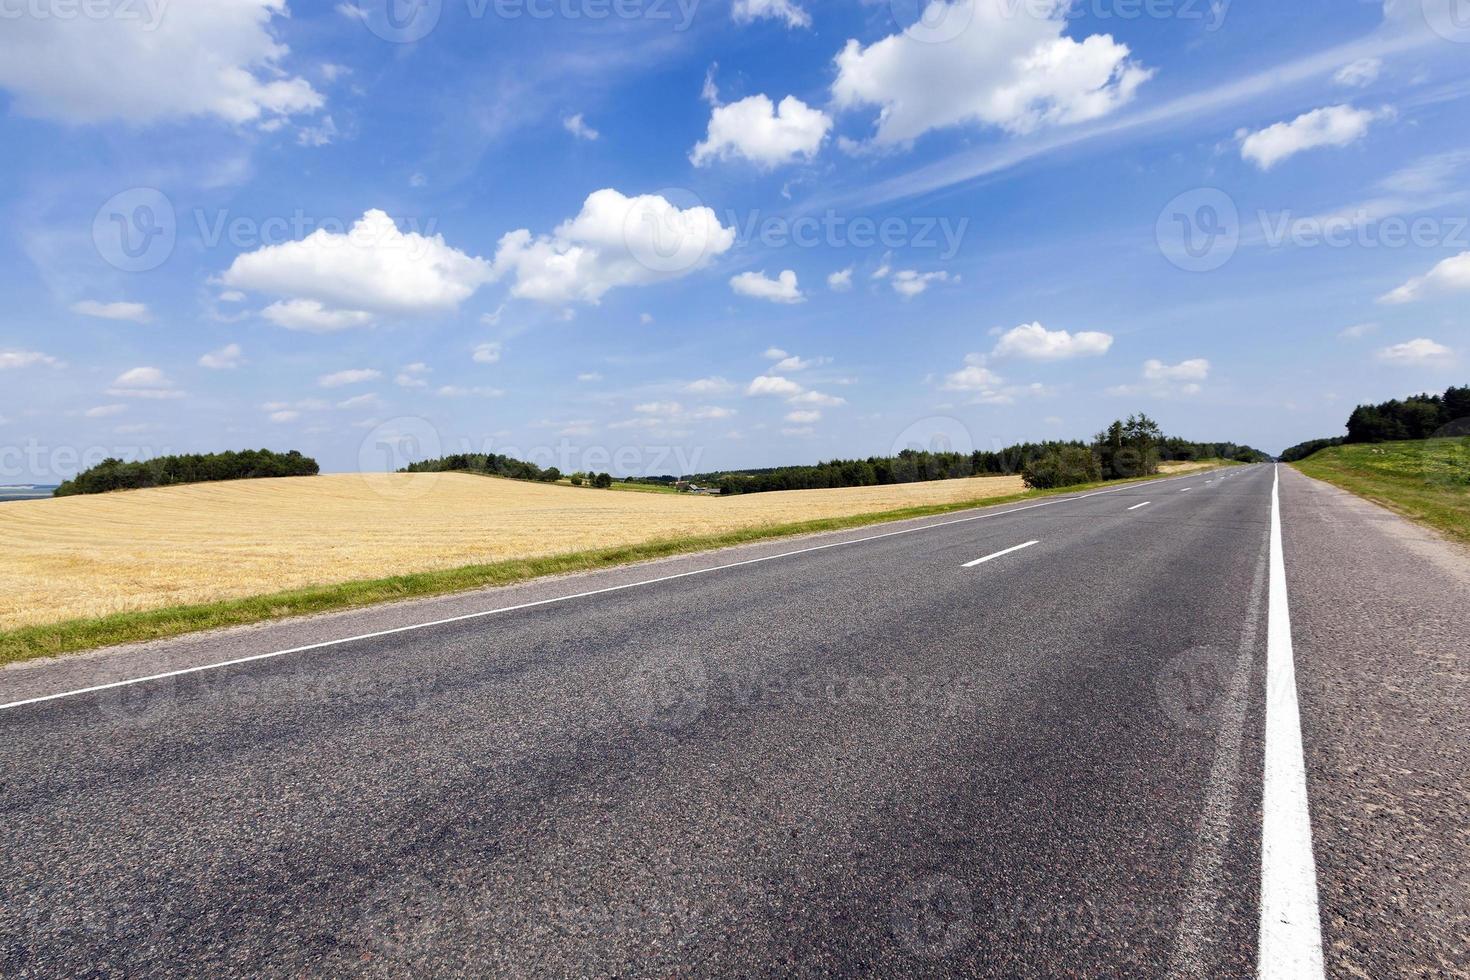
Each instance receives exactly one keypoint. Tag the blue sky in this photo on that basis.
(659, 236)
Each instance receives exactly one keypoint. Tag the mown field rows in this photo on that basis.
(146, 549)
(93, 556)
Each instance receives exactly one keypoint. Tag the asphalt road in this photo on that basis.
(849, 754)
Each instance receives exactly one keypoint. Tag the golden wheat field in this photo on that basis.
(89, 556)
(145, 549)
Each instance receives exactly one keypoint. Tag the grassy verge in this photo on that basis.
(1426, 481)
(71, 636)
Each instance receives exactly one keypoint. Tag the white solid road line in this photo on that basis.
(999, 554)
(547, 602)
(1290, 945)
(1144, 504)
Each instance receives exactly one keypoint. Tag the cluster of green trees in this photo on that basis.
(1418, 417)
(492, 464)
(1397, 420)
(1126, 449)
(250, 464)
(495, 464)
(1304, 449)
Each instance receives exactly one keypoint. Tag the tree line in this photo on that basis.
(496, 464)
(1397, 420)
(115, 474)
(1126, 449)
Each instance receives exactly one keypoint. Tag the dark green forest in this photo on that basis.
(1397, 420)
(494, 464)
(1126, 449)
(165, 471)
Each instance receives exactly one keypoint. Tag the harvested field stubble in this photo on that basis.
(148, 549)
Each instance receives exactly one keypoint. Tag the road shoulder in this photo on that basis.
(1380, 626)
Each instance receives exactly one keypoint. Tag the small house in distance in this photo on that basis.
(684, 486)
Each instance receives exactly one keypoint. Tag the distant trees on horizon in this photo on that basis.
(116, 474)
(1397, 420)
(1127, 448)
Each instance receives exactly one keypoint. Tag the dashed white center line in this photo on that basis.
(1144, 504)
(1186, 489)
(999, 554)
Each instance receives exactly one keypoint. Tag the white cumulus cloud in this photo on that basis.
(974, 376)
(144, 382)
(909, 283)
(1360, 73)
(488, 353)
(782, 289)
(10, 359)
(148, 61)
(768, 384)
(1195, 369)
(1450, 276)
(1334, 126)
(412, 375)
(992, 63)
(765, 134)
(312, 316)
(745, 11)
(136, 312)
(615, 241)
(1420, 352)
(1034, 342)
(352, 376)
(578, 127)
(227, 358)
(333, 280)
(1162, 380)
(840, 281)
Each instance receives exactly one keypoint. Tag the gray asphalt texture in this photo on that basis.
(859, 760)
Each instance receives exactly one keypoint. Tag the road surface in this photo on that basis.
(1033, 740)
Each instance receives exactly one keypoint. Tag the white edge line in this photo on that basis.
(1144, 504)
(1290, 944)
(546, 602)
(1000, 554)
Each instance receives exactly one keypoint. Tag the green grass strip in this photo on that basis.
(1426, 481)
(71, 636)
